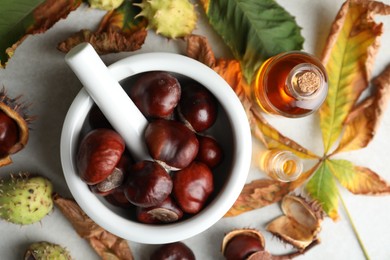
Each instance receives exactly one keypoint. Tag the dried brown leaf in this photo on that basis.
(105, 42)
(199, 49)
(106, 245)
(258, 194)
(49, 12)
(118, 31)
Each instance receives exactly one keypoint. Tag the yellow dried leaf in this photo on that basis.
(362, 123)
(106, 245)
(348, 57)
(358, 180)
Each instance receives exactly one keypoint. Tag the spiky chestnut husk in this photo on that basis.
(105, 4)
(170, 18)
(25, 199)
(17, 112)
(301, 223)
(45, 250)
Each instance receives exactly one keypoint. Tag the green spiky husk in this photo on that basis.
(170, 18)
(45, 250)
(25, 200)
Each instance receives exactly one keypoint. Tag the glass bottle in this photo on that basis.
(291, 84)
(281, 165)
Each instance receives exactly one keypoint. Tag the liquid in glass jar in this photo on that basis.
(281, 165)
(291, 84)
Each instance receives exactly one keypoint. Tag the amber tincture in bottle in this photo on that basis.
(291, 84)
(281, 165)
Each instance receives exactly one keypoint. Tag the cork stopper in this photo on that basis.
(304, 81)
(308, 82)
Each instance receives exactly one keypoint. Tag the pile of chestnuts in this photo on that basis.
(179, 181)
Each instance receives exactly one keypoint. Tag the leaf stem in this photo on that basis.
(351, 222)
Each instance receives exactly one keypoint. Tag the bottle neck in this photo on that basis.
(305, 81)
(286, 166)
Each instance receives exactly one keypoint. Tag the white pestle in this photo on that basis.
(110, 97)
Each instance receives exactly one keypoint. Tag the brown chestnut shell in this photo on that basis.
(192, 186)
(99, 153)
(210, 152)
(171, 143)
(198, 108)
(156, 94)
(148, 184)
(173, 251)
(165, 212)
(242, 243)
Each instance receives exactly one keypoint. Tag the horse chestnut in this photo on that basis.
(118, 198)
(173, 251)
(98, 155)
(197, 107)
(148, 184)
(171, 143)
(210, 152)
(243, 244)
(115, 179)
(165, 212)
(192, 186)
(156, 94)
(9, 134)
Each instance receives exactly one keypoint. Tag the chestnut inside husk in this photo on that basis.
(14, 126)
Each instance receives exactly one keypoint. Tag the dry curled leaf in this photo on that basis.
(23, 18)
(199, 49)
(106, 245)
(118, 31)
(258, 194)
(363, 121)
(349, 57)
(358, 180)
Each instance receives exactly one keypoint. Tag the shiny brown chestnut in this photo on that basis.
(115, 179)
(156, 94)
(148, 184)
(210, 152)
(171, 143)
(173, 251)
(241, 244)
(98, 154)
(197, 107)
(165, 212)
(9, 134)
(192, 186)
(118, 198)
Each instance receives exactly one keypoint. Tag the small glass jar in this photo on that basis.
(281, 165)
(291, 84)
